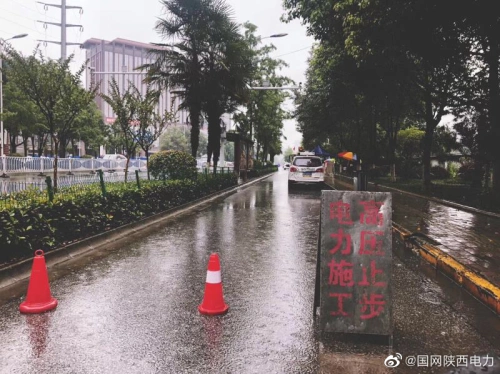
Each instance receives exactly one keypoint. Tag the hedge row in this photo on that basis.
(262, 171)
(71, 218)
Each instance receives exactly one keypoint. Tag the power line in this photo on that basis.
(289, 53)
(23, 26)
(33, 10)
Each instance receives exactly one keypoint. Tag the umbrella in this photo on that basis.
(348, 156)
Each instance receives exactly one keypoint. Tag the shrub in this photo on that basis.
(466, 171)
(262, 171)
(172, 165)
(43, 225)
(439, 172)
(86, 156)
(453, 169)
(16, 155)
(258, 164)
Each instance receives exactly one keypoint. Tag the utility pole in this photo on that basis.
(63, 25)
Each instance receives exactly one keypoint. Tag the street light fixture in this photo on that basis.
(2, 154)
(275, 36)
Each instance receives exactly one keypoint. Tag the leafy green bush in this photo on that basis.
(16, 155)
(453, 169)
(86, 156)
(44, 225)
(262, 171)
(439, 172)
(172, 165)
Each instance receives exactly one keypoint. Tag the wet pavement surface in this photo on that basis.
(135, 310)
(471, 238)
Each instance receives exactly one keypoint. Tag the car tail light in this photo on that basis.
(293, 169)
(320, 170)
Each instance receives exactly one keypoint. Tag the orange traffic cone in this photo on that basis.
(38, 299)
(213, 301)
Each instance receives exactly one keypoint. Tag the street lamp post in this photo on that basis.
(2, 141)
(251, 108)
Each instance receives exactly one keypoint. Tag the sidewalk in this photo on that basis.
(473, 239)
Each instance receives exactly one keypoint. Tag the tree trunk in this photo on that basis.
(33, 146)
(126, 166)
(214, 133)
(25, 144)
(393, 172)
(147, 162)
(41, 145)
(494, 109)
(13, 144)
(426, 157)
(56, 149)
(195, 113)
(63, 144)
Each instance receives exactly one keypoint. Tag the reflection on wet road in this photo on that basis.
(472, 239)
(135, 311)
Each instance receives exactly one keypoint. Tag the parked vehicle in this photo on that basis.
(114, 157)
(306, 169)
(286, 166)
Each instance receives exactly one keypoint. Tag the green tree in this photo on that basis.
(125, 108)
(21, 117)
(54, 89)
(91, 129)
(148, 125)
(178, 65)
(264, 109)
(227, 67)
(288, 153)
(175, 138)
(425, 66)
(409, 151)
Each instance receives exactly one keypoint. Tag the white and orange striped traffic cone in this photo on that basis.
(213, 301)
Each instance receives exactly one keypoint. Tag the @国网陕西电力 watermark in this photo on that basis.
(397, 359)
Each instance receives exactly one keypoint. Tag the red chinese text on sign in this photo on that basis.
(373, 306)
(340, 236)
(371, 243)
(371, 214)
(341, 274)
(373, 276)
(341, 212)
(340, 303)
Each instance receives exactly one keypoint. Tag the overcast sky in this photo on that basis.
(135, 20)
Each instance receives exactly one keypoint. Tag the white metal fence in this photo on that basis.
(41, 165)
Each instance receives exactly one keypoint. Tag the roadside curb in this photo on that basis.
(474, 283)
(111, 239)
(479, 287)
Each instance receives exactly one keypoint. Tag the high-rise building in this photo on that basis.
(119, 59)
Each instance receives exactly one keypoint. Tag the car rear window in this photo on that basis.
(309, 162)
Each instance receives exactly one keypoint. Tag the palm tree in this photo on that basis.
(177, 64)
(227, 67)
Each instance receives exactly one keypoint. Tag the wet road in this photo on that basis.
(135, 310)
